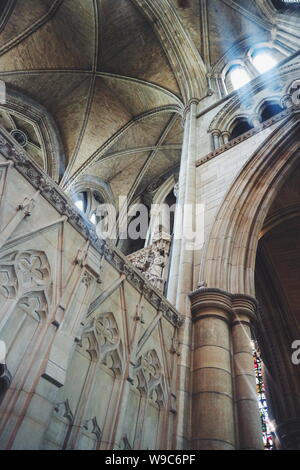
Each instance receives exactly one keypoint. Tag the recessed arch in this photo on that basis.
(22, 108)
(240, 126)
(269, 108)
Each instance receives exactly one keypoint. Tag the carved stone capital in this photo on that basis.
(224, 305)
(211, 302)
(244, 308)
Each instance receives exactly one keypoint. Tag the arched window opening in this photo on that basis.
(81, 201)
(269, 110)
(285, 4)
(241, 126)
(238, 76)
(88, 203)
(171, 201)
(263, 60)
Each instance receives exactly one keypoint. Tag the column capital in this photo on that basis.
(217, 302)
(187, 108)
(244, 307)
(225, 133)
(216, 132)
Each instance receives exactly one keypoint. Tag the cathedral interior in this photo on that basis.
(186, 337)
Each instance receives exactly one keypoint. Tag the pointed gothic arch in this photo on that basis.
(229, 260)
(22, 109)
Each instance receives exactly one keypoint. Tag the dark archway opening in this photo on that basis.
(269, 110)
(240, 127)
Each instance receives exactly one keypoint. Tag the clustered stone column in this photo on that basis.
(181, 269)
(225, 412)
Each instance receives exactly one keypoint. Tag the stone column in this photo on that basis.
(225, 411)
(173, 275)
(248, 416)
(216, 138)
(225, 137)
(186, 264)
(181, 270)
(180, 277)
(213, 421)
(250, 68)
(255, 119)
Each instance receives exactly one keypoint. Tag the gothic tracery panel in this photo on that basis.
(149, 377)
(105, 343)
(23, 271)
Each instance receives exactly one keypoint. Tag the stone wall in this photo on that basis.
(92, 348)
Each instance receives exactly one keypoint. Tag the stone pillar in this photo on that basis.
(225, 411)
(250, 68)
(182, 261)
(213, 421)
(249, 426)
(216, 138)
(225, 137)
(255, 119)
(186, 264)
(173, 275)
(286, 101)
(181, 270)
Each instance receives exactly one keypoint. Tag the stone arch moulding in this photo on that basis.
(229, 258)
(187, 64)
(164, 189)
(39, 116)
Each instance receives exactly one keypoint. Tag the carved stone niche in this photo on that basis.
(105, 345)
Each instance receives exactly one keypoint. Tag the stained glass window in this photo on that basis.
(267, 433)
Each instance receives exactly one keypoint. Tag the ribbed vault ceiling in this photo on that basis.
(105, 71)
